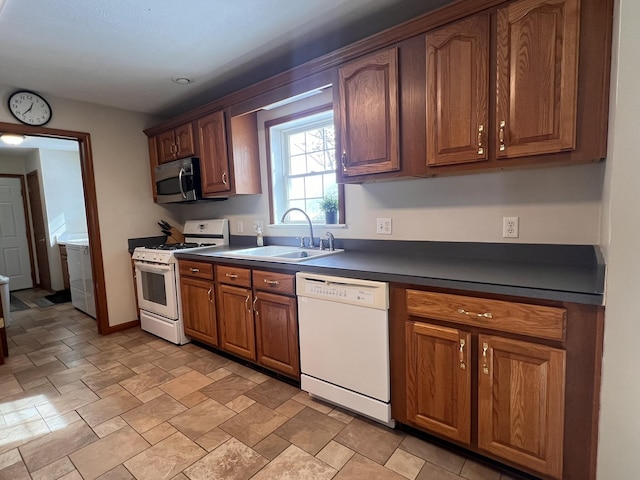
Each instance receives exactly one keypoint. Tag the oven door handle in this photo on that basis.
(146, 267)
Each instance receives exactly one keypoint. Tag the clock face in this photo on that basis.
(29, 108)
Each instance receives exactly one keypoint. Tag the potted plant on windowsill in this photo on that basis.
(329, 205)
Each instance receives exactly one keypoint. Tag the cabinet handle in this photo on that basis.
(503, 124)
(344, 160)
(472, 314)
(209, 295)
(178, 146)
(195, 270)
(232, 276)
(246, 302)
(485, 362)
(271, 283)
(480, 146)
(461, 362)
(224, 178)
(255, 300)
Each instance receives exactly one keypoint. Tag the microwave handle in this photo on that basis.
(184, 195)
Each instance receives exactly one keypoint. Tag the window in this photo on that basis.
(303, 164)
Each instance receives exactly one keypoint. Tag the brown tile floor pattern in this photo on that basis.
(77, 405)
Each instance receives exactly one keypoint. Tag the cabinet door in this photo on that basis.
(277, 333)
(439, 379)
(185, 146)
(198, 309)
(369, 118)
(521, 402)
(214, 158)
(457, 92)
(237, 333)
(165, 144)
(537, 62)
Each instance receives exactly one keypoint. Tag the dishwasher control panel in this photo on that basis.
(365, 293)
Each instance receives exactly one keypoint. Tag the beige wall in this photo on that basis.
(123, 187)
(620, 422)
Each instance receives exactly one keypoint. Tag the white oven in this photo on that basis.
(156, 285)
(158, 278)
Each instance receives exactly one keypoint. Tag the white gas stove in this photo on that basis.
(158, 279)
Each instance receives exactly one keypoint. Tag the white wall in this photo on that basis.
(64, 203)
(123, 187)
(619, 421)
(11, 164)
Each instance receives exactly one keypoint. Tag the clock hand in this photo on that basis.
(28, 109)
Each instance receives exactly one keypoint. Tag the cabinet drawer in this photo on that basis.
(273, 282)
(233, 275)
(196, 269)
(520, 318)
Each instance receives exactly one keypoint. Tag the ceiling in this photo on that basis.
(123, 53)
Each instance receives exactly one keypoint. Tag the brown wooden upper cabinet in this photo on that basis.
(368, 115)
(458, 92)
(175, 143)
(214, 156)
(537, 75)
(536, 71)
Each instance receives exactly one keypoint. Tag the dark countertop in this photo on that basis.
(571, 273)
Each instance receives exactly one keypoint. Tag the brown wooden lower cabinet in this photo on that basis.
(521, 402)
(439, 379)
(237, 332)
(245, 312)
(277, 333)
(528, 401)
(199, 310)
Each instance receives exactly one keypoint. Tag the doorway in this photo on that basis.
(90, 200)
(15, 247)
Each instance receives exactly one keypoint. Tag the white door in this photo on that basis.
(14, 247)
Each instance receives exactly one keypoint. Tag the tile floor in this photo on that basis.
(77, 405)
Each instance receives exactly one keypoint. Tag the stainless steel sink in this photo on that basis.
(280, 253)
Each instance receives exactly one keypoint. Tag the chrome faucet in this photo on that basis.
(308, 220)
(332, 240)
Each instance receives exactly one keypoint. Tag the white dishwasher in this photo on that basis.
(344, 342)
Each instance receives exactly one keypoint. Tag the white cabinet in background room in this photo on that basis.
(80, 278)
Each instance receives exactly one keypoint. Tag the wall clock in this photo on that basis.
(29, 108)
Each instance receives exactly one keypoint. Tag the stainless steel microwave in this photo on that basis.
(178, 181)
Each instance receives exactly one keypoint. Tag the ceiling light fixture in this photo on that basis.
(12, 138)
(183, 79)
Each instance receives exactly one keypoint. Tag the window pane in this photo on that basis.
(330, 158)
(315, 140)
(296, 188)
(296, 144)
(330, 138)
(315, 162)
(314, 187)
(297, 165)
(296, 216)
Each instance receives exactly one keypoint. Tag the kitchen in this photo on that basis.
(588, 204)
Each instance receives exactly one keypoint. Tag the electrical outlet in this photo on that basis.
(510, 227)
(383, 226)
(240, 226)
(258, 224)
